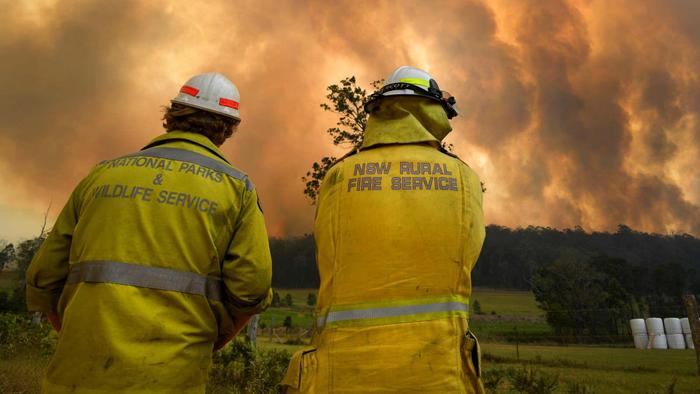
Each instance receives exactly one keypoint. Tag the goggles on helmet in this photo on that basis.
(444, 98)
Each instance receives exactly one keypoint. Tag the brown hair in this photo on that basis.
(215, 127)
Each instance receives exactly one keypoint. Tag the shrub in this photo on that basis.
(476, 307)
(492, 378)
(578, 388)
(239, 369)
(18, 333)
(311, 299)
(532, 381)
(13, 302)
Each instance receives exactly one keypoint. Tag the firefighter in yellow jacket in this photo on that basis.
(398, 229)
(158, 257)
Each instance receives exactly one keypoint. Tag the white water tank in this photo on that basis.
(641, 341)
(638, 326)
(639, 333)
(655, 330)
(672, 325)
(655, 326)
(674, 333)
(675, 341)
(658, 341)
(685, 326)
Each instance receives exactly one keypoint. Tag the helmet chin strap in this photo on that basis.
(433, 92)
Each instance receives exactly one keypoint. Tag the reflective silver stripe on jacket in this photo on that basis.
(196, 158)
(397, 311)
(143, 276)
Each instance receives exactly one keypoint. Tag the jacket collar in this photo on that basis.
(405, 120)
(193, 138)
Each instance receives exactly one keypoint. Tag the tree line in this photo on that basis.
(591, 299)
(14, 299)
(511, 257)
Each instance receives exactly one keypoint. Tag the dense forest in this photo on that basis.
(510, 257)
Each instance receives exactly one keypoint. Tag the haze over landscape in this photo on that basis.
(573, 113)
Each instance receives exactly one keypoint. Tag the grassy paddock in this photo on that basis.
(603, 370)
(506, 302)
(302, 314)
(505, 330)
(299, 296)
(274, 317)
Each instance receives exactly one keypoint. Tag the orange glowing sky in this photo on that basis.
(572, 112)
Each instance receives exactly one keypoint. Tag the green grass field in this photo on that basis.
(274, 317)
(598, 369)
(506, 302)
(603, 370)
(301, 313)
(299, 296)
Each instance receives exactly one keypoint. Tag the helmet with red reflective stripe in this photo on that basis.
(211, 92)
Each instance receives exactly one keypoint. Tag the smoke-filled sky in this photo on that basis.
(572, 112)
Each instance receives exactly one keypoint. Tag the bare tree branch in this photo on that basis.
(46, 217)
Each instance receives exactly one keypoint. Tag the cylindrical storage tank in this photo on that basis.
(685, 325)
(689, 341)
(639, 333)
(674, 333)
(655, 329)
(638, 326)
(672, 326)
(655, 326)
(675, 341)
(641, 341)
(658, 341)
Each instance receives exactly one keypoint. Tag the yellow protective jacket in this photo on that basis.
(398, 228)
(148, 262)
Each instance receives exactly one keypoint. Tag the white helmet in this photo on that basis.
(211, 92)
(411, 81)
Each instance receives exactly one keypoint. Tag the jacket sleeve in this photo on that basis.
(247, 266)
(48, 270)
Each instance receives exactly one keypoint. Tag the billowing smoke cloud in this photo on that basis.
(573, 113)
